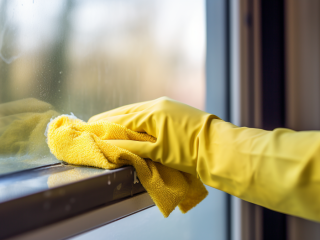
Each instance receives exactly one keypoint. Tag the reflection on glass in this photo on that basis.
(89, 56)
(22, 140)
(18, 185)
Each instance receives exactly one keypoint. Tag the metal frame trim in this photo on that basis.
(90, 220)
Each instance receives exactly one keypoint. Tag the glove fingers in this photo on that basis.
(138, 122)
(142, 149)
(136, 107)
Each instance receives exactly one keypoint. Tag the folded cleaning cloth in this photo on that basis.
(76, 142)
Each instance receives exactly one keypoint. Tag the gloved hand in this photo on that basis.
(178, 128)
(77, 142)
(277, 169)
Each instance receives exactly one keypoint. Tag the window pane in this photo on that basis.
(90, 56)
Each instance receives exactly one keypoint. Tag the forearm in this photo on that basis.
(277, 169)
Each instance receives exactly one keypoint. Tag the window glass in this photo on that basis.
(90, 56)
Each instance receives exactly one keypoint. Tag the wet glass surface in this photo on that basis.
(87, 57)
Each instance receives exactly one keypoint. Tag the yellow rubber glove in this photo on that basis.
(277, 169)
(176, 126)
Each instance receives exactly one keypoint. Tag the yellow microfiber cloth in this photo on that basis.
(76, 142)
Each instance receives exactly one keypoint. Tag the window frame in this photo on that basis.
(55, 208)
